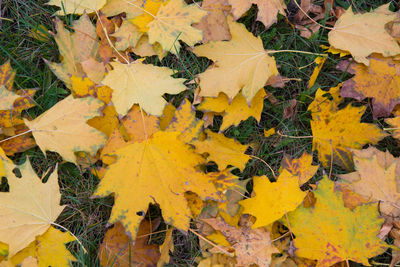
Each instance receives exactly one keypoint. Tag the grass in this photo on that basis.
(87, 217)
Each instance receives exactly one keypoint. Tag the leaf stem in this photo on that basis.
(76, 238)
(295, 51)
(17, 135)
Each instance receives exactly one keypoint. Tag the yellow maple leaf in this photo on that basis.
(375, 178)
(107, 123)
(364, 34)
(75, 49)
(331, 233)
(142, 84)
(336, 130)
(77, 6)
(127, 35)
(165, 248)
(159, 169)
(63, 128)
(173, 23)
(223, 150)
(320, 63)
(273, 200)
(243, 59)
(150, 9)
(301, 167)
(267, 9)
(29, 208)
(82, 87)
(131, 8)
(234, 111)
(380, 81)
(48, 249)
(7, 98)
(184, 121)
(7, 75)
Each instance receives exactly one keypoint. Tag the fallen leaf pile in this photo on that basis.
(150, 143)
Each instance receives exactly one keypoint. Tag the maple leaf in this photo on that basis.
(82, 87)
(327, 232)
(173, 23)
(375, 178)
(379, 81)
(7, 75)
(7, 98)
(141, 83)
(184, 121)
(127, 35)
(107, 123)
(336, 130)
(131, 8)
(267, 9)
(29, 208)
(242, 58)
(222, 150)
(77, 6)
(48, 249)
(364, 34)
(252, 246)
(63, 128)
(273, 200)
(117, 250)
(150, 9)
(300, 167)
(159, 169)
(234, 111)
(214, 25)
(76, 49)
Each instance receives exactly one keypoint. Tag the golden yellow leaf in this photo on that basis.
(165, 248)
(7, 98)
(77, 6)
(117, 249)
(29, 208)
(107, 123)
(331, 233)
(243, 59)
(173, 23)
(395, 124)
(82, 87)
(335, 51)
(214, 25)
(364, 34)
(223, 150)
(159, 169)
(150, 9)
(13, 118)
(380, 81)
(336, 130)
(142, 84)
(235, 111)
(131, 8)
(301, 167)
(320, 63)
(167, 116)
(375, 178)
(267, 9)
(75, 48)
(252, 246)
(63, 128)
(273, 200)
(7, 75)
(48, 249)
(184, 121)
(17, 144)
(269, 132)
